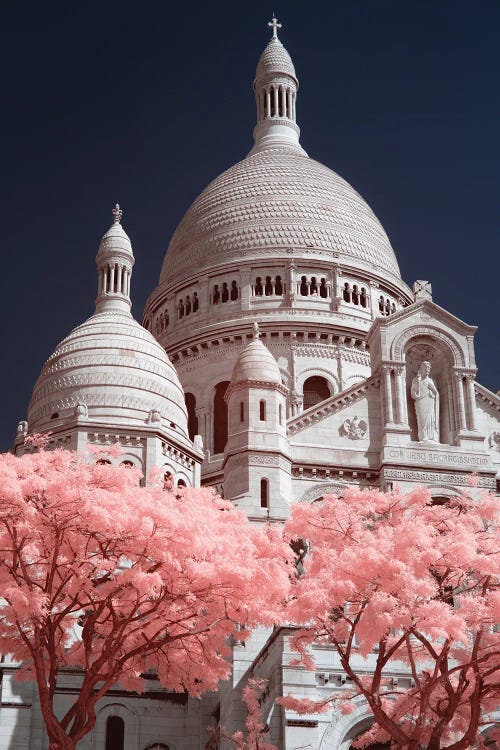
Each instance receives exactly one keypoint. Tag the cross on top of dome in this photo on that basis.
(275, 26)
(117, 213)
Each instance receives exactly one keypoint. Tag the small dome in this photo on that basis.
(275, 60)
(256, 363)
(113, 370)
(115, 239)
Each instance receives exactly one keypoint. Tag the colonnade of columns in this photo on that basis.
(276, 101)
(466, 399)
(115, 278)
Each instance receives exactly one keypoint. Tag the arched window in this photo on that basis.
(181, 483)
(304, 289)
(242, 411)
(192, 418)
(188, 305)
(323, 291)
(316, 389)
(262, 411)
(259, 289)
(268, 289)
(115, 733)
(234, 290)
(216, 295)
(264, 493)
(280, 413)
(104, 462)
(346, 294)
(314, 287)
(127, 464)
(363, 297)
(278, 288)
(196, 302)
(225, 292)
(220, 417)
(181, 309)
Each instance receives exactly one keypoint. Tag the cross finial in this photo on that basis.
(117, 213)
(275, 26)
(256, 332)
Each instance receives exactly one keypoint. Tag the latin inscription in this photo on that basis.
(437, 457)
(435, 478)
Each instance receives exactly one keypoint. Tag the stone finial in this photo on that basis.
(154, 416)
(274, 25)
(117, 213)
(422, 290)
(256, 331)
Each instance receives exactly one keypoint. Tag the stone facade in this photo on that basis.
(322, 393)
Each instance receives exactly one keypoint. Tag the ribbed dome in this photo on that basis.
(274, 200)
(274, 60)
(256, 363)
(116, 369)
(115, 239)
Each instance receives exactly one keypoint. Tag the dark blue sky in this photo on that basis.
(145, 103)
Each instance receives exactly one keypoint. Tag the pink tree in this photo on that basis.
(395, 578)
(114, 579)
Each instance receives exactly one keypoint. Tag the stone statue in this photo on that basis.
(426, 397)
(22, 428)
(81, 410)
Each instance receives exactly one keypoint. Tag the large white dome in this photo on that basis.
(273, 200)
(114, 367)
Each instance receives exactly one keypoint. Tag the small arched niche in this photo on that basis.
(427, 349)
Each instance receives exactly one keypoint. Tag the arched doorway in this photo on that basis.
(315, 389)
(220, 417)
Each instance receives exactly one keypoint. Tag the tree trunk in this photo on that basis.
(62, 744)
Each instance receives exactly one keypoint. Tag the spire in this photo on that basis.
(275, 89)
(114, 267)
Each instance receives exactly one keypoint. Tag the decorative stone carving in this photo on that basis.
(198, 443)
(81, 409)
(426, 398)
(154, 416)
(354, 428)
(22, 428)
(422, 290)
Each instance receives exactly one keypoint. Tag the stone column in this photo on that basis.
(400, 396)
(389, 416)
(268, 103)
(289, 104)
(459, 392)
(111, 279)
(471, 401)
(276, 101)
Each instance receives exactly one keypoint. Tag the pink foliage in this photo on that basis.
(256, 729)
(393, 578)
(116, 580)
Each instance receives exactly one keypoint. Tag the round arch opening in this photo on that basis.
(315, 390)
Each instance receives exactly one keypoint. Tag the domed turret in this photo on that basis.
(257, 465)
(109, 370)
(256, 363)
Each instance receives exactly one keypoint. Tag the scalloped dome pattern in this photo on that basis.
(270, 201)
(117, 369)
(275, 59)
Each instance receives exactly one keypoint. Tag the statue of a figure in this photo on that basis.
(426, 396)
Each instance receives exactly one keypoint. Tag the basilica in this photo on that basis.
(281, 357)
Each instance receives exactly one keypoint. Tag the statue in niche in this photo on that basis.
(426, 397)
(22, 428)
(81, 410)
